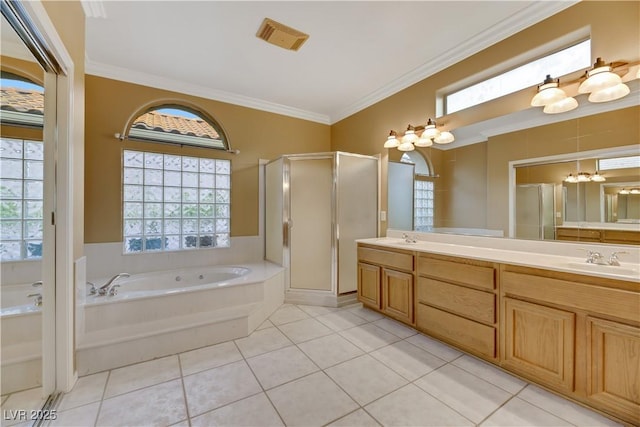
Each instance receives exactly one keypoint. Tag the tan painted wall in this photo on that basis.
(111, 104)
(365, 131)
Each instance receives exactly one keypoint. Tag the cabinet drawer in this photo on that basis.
(472, 336)
(396, 260)
(451, 271)
(470, 303)
(621, 236)
(578, 234)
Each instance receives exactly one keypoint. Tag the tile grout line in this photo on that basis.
(104, 391)
(184, 391)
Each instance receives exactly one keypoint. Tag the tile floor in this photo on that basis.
(313, 366)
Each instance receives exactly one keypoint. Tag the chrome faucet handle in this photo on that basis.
(613, 258)
(92, 289)
(36, 284)
(38, 299)
(113, 291)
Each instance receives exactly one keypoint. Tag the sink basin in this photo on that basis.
(609, 269)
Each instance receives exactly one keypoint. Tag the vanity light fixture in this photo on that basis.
(571, 179)
(552, 98)
(429, 134)
(624, 191)
(584, 177)
(635, 191)
(602, 84)
(596, 177)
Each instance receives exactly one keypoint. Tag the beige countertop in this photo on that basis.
(629, 268)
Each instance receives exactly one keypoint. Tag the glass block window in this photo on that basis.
(21, 199)
(173, 202)
(423, 202)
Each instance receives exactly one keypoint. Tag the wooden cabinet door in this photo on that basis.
(397, 295)
(539, 343)
(369, 285)
(613, 361)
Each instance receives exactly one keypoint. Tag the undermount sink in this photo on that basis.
(609, 269)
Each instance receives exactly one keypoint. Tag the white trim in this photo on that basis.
(58, 327)
(580, 155)
(93, 8)
(126, 75)
(518, 22)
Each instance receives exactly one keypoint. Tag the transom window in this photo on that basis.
(564, 62)
(21, 199)
(178, 125)
(174, 202)
(619, 163)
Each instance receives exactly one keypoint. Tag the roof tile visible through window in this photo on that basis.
(22, 100)
(154, 120)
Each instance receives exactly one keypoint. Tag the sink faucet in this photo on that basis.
(407, 239)
(613, 258)
(594, 257)
(107, 287)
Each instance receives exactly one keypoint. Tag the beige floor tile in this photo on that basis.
(359, 418)
(314, 400)
(87, 389)
(469, 395)
(252, 411)
(262, 341)
(330, 350)
(563, 408)
(183, 423)
(365, 379)
(133, 377)
(217, 387)
(408, 360)
(266, 324)
(27, 401)
(490, 373)
(161, 404)
(81, 416)
(340, 320)
(410, 406)
(366, 313)
(518, 413)
(280, 366)
(435, 347)
(396, 328)
(304, 330)
(287, 314)
(316, 310)
(209, 357)
(369, 337)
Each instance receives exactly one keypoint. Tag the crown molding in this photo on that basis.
(93, 8)
(531, 15)
(144, 79)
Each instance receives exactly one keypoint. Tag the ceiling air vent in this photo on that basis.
(281, 35)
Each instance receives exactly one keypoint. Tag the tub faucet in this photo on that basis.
(595, 258)
(613, 258)
(104, 289)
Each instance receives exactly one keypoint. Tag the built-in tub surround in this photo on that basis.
(161, 313)
(551, 255)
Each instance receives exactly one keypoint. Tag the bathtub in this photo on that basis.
(162, 313)
(21, 342)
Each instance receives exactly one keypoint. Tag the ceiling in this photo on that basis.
(358, 52)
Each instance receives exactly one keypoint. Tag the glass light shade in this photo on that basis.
(406, 146)
(598, 79)
(583, 177)
(548, 93)
(424, 141)
(409, 137)
(444, 138)
(571, 179)
(634, 191)
(610, 94)
(430, 131)
(623, 191)
(392, 141)
(596, 177)
(562, 106)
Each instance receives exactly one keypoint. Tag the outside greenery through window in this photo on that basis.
(174, 202)
(21, 193)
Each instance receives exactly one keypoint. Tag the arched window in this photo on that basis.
(423, 191)
(21, 171)
(177, 124)
(175, 202)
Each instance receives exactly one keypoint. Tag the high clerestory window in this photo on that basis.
(21, 171)
(563, 62)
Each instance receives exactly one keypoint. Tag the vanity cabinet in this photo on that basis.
(576, 334)
(386, 282)
(456, 302)
(618, 237)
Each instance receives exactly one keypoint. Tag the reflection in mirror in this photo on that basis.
(547, 197)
